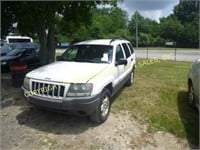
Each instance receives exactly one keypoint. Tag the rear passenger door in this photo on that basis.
(119, 55)
(129, 58)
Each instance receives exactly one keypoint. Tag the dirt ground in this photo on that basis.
(24, 126)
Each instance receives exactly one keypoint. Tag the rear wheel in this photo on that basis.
(102, 111)
(131, 78)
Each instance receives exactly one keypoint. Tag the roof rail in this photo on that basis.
(113, 39)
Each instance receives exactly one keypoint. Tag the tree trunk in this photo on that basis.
(43, 45)
(51, 45)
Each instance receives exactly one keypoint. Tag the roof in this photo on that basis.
(101, 42)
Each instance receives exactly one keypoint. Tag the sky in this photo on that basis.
(153, 9)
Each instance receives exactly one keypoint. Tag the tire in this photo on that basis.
(191, 99)
(130, 79)
(103, 108)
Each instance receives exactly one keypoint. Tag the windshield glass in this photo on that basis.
(6, 47)
(88, 53)
(15, 52)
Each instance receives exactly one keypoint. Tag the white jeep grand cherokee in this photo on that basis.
(84, 78)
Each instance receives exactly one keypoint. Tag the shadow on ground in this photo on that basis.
(34, 117)
(57, 123)
(10, 95)
(39, 119)
(190, 119)
(52, 122)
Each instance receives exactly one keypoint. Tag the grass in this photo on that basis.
(58, 54)
(164, 48)
(159, 98)
(49, 143)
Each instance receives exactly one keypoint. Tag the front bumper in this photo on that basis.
(80, 105)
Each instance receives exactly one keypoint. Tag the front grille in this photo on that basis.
(47, 89)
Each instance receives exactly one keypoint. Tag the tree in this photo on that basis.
(40, 18)
(147, 29)
(182, 26)
(105, 23)
(187, 11)
(171, 29)
(36, 17)
(108, 23)
(7, 18)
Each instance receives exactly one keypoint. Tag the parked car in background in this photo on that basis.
(19, 39)
(30, 56)
(7, 47)
(84, 78)
(2, 42)
(194, 84)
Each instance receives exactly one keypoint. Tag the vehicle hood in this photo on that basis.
(7, 58)
(67, 72)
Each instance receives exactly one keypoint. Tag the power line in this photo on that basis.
(136, 23)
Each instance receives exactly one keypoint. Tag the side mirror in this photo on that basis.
(58, 58)
(121, 62)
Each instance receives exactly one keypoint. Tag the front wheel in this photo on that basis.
(102, 111)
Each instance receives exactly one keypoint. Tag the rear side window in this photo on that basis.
(126, 49)
(131, 48)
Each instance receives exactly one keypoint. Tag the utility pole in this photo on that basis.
(136, 28)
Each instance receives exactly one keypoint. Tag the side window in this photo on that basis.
(131, 48)
(119, 53)
(126, 50)
(71, 53)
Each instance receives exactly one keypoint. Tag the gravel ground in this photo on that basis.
(26, 127)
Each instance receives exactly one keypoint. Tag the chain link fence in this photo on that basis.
(176, 55)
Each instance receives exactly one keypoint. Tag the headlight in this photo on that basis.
(26, 83)
(80, 89)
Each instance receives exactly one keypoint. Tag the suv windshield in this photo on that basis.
(6, 48)
(88, 53)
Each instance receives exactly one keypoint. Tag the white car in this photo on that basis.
(84, 78)
(194, 84)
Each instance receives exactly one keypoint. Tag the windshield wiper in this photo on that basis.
(105, 62)
(85, 60)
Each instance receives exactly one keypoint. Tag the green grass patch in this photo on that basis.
(49, 143)
(159, 98)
